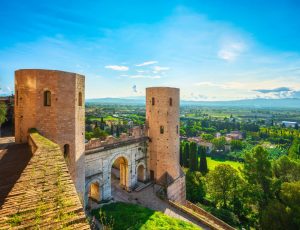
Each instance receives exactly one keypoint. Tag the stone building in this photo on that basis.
(53, 103)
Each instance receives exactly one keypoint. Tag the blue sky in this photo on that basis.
(212, 50)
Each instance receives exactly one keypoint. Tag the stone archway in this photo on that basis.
(93, 192)
(120, 172)
(141, 172)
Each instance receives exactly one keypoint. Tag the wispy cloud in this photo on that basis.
(230, 51)
(117, 67)
(157, 69)
(145, 76)
(147, 63)
(276, 90)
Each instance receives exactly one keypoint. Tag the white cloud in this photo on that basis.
(145, 76)
(117, 67)
(147, 63)
(157, 69)
(230, 51)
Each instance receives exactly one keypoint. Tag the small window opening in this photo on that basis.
(47, 98)
(170, 101)
(177, 129)
(17, 98)
(153, 101)
(161, 129)
(79, 99)
(66, 150)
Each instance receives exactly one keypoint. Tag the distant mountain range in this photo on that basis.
(288, 103)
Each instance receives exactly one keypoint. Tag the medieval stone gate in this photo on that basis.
(128, 156)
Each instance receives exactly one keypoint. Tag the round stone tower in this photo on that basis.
(53, 102)
(162, 120)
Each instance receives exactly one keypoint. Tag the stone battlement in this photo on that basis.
(136, 133)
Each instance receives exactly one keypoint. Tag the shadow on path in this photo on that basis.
(13, 160)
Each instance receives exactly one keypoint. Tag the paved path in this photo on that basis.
(148, 198)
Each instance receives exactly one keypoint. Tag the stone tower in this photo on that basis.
(53, 102)
(162, 120)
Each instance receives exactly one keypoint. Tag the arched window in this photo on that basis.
(153, 101)
(47, 98)
(170, 101)
(66, 150)
(79, 99)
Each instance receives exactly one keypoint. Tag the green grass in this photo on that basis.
(212, 163)
(134, 217)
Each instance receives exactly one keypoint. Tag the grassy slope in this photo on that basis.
(211, 163)
(131, 216)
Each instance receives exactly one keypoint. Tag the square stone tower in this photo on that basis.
(53, 102)
(162, 121)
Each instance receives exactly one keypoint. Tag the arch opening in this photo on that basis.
(120, 174)
(141, 173)
(94, 193)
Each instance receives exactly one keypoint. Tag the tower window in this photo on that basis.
(170, 101)
(17, 98)
(161, 129)
(47, 98)
(177, 129)
(79, 99)
(153, 101)
(66, 151)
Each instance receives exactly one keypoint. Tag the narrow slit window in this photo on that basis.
(177, 129)
(79, 99)
(153, 101)
(162, 129)
(47, 98)
(66, 151)
(170, 101)
(17, 98)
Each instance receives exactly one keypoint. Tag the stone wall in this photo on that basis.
(176, 191)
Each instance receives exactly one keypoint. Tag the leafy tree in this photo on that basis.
(3, 112)
(236, 145)
(193, 159)
(294, 151)
(286, 169)
(222, 183)
(258, 172)
(283, 213)
(203, 162)
(195, 186)
(98, 133)
(219, 143)
(207, 136)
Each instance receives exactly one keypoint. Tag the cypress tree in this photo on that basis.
(186, 155)
(203, 163)
(181, 154)
(193, 161)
